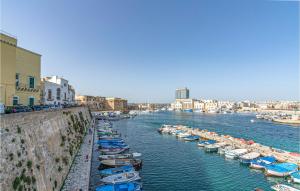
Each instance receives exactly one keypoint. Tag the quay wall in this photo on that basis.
(37, 148)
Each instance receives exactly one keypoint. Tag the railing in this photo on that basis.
(26, 87)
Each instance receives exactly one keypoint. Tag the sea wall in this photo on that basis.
(37, 148)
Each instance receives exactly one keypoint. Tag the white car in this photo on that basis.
(2, 108)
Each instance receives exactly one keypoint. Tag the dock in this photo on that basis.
(251, 146)
(79, 174)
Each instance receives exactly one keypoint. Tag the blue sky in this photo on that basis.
(143, 50)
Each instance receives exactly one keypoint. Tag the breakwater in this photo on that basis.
(37, 148)
(250, 145)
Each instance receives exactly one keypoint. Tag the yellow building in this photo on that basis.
(20, 73)
(115, 104)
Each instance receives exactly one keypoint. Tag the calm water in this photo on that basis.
(171, 164)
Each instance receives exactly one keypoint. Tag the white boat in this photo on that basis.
(233, 154)
(283, 187)
(246, 159)
(222, 150)
(252, 121)
(296, 177)
(212, 148)
(123, 177)
(182, 135)
(119, 156)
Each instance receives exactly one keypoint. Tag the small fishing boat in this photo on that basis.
(212, 148)
(123, 177)
(136, 163)
(191, 138)
(110, 141)
(222, 150)
(262, 162)
(296, 177)
(120, 156)
(206, 142)
(118, 170)
(113, 146)
(233, 154)
(281, 169)
(127, 186)
(113, 151)
(183, 135)
(283, 187)
(247, 158)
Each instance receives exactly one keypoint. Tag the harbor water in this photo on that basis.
(171, 164)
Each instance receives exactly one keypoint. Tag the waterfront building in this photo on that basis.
(20, 73)
(57, 91)
(182, 93)
(115, 104)
(199, 105)
(210, 105)
(95, 103)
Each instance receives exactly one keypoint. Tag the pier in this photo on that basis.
(280, 155)
(79, 174)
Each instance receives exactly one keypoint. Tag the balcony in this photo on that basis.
(26, 87)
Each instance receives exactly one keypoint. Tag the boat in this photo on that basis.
(212, 148)
(281, 169)
(136, 163)
(113, 146)
(112, 151)
(123, 177)
(117, 170)
(283, 187)
(188, 110)
(222, 150)
(127, 186)
(252, 120)
(296, 177)
(262, 162)
(206, 142)
(247, 158)
(233, 154)
(191, 138)
(183, 135)
(110, 141)
(119, 156)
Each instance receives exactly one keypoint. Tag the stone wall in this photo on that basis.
(37, 148)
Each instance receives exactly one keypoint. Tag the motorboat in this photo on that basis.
(222, 150)
(262, 162)
(191, 138)
(281, 169)
(123, 177)
(247, 158)
(283, 187)
(136, 163)
(126, 186)
(117, 170)
(236, 153)
(212, 148)
(120, 156)
(206, 142)
(296, 177)
(183, 135)
(113, 151)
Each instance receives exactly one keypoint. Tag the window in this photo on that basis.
(31, 101)
(49, 94)
(15, 100)
(65, 96)
(17, 79)
(31, 82)
(58, 93)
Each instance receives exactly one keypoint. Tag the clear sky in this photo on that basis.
(143, 50)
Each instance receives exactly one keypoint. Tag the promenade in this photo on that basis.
(79, 175)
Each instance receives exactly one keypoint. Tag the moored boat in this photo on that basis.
(183, 135)
(118, 170)
(233, 154)
(127, 186)
(296, 177)
(212, 148)
(191, 138)
(262, 162)
(222, 150)
(123, 177)
(119, 156)
(283, 187)
(136, 163)
(206, 142)
(112, 151)
(247, 158)
(281, 169)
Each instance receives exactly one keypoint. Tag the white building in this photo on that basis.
(57, 91)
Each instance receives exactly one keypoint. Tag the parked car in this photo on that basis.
(22, 108)
(46, 107)
(37, 107)
(2, 108)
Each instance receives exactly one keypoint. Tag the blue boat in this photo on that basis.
(130, 186)
(110, 141)
(262, 162)
(281, 169)
(188, 110)
(112, 171)
(110, 146)
(191, 138)
(206, 142)
(296, 177)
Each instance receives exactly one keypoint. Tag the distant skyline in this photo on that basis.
(144, 50)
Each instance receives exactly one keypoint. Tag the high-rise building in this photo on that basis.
(182, 93)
